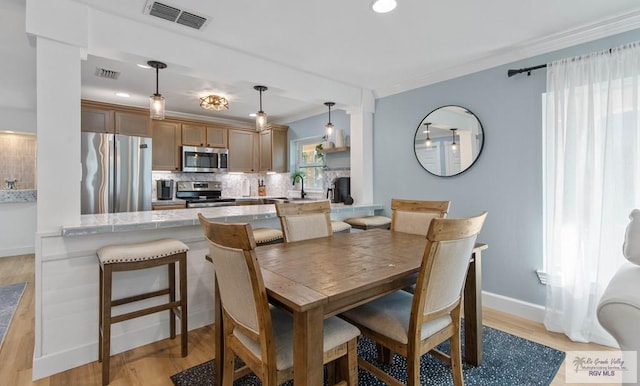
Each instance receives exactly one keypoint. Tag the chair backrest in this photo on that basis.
(242, 292)
(303, 221)
(412, 216)
(445, 263)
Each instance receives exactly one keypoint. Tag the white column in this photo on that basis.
(361, 120)
(58, 121)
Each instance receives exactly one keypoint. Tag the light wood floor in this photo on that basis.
(153, 364)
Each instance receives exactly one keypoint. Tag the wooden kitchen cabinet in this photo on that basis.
(242, 150)
(166, 142)
(273, 150)
(201, 135)
(96, 120)
(133, 123)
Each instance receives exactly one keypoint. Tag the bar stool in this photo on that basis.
(369, 222)
(340, 227)
(120, 258)
(265, 236)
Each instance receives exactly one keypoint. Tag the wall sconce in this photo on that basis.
(261, 117)
(156, 101)
(329, 126)
(427, 142)
(214, 102)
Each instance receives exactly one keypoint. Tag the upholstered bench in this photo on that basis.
(130, 257)
(265, 236)
(369, 222)
(340, 227)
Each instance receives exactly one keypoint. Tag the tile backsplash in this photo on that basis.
(18, 160)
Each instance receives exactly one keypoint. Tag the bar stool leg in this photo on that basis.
(172, 298)
(106, 323)
(183, 305)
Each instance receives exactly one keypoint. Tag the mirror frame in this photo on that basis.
(418, 131)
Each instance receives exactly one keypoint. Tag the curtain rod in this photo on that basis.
(528, 70)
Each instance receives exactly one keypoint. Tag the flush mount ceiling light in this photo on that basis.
(261, 117)
(214, 102)
(383, 6)
(156, 101)
(427, 142)
(329, 125)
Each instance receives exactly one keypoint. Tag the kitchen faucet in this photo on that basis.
(302, 193)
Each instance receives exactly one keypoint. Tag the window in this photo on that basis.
(309, 161)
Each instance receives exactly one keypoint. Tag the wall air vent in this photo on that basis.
(105, 73)
(174, 14)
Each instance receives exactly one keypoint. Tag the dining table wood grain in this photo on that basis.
(318, 278)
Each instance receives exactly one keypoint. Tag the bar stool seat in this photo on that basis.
(340, 227)
(264, 236)
(130, 257)
(369, 222)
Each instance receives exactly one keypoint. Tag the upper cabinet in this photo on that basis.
(102, 118)
(273, 150)
(242, 150)
(166, 142)
(201, 135)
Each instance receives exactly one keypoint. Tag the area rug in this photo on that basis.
(9, 297)
(508, 360)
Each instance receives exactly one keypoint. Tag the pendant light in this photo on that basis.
(261, 117)
(454, 145)
(427, 142)
(156, 101)
(329, 125)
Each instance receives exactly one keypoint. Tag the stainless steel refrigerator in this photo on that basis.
(116, 173)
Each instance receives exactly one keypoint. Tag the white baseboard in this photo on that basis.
(526, 310)
(58, 362)
(26, 250)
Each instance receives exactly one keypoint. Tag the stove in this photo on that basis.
(203, 194)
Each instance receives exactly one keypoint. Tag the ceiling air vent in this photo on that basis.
(109, 74)
(174, 14)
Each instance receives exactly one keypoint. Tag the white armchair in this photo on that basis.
(619, 307)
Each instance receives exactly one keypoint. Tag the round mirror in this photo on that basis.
(448, 141)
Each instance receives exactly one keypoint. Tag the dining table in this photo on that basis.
(319, 278)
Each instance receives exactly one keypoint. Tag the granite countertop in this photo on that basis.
(157, 219)
(17, 195)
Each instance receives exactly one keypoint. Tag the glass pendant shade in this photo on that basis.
(454, 145)
(156, 106)
(261, 120)
(427, 143)
(329, 126)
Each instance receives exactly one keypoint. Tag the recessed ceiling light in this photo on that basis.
(383, 6)
(252, 115)
(143, 66)
(123, 95)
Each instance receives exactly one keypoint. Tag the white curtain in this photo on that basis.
(591, 182)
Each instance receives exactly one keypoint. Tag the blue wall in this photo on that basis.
(314, 127)
(507, 178)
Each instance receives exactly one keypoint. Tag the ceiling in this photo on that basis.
(342, 42)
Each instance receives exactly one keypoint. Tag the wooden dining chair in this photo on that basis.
(258, 333)
(303, 221)
(412, 325)
(413, 216)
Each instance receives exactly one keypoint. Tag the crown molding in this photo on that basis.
(608, 27)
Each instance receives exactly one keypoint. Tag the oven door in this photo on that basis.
(199, 159)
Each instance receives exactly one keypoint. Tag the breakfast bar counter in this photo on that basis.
(66, 290)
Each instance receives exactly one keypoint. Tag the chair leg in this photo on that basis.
(384, 354)
(106, 323)
(227, 366)
(171, 277)
(184, 319)
(456, 358)
(352, 361)
(413, 368)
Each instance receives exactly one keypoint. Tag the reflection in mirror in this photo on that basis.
(448, 141)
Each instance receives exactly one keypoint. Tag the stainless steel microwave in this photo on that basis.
(204, 159)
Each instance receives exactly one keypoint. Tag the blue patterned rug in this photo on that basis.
(508, 360)
(9, 297)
